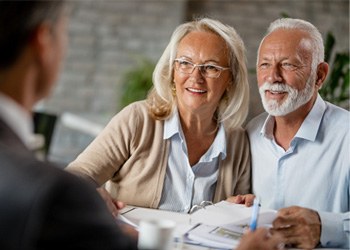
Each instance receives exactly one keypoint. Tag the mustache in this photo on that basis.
(277, 87)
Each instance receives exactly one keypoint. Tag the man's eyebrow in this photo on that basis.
(265, 58)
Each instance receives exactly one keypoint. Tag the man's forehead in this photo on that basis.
(286, 41)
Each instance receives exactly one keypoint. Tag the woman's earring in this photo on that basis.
(173, 89)
(226, 95)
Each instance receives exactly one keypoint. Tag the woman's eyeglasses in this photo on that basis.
(203, 204)
(207, 70)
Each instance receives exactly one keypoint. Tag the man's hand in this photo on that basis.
(261, 239)
(246, 199)
(113, 205)
(300, 227)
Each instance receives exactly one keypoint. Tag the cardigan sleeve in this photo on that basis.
(244, 173)
(129, 155)
(235, 170)
(109, 150)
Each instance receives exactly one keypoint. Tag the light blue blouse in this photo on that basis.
(185, 186)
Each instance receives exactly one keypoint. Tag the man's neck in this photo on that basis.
(19, 82)
(287, 126)
(285, 130)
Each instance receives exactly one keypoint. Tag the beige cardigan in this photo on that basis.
(132, 156)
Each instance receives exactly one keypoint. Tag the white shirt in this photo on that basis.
(17, 119)
(314, 172)
(185, 186)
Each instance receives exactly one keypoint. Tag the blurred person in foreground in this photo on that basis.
(184, 144)
(41, 206)
(300, 146)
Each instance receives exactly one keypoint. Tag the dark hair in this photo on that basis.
(18, 20)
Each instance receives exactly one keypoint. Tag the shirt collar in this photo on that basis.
(17, 119)
(310, 126)
(312, 122)
(267, 128)
(218, 147)
(172, 127)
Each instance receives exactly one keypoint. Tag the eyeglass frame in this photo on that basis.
(201, 205)
(200, 67)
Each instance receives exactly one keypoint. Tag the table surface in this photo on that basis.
(129, 213)
(184, 246)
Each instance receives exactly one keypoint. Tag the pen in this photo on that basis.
(255, 215)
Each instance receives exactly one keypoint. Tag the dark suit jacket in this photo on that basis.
(43, 207)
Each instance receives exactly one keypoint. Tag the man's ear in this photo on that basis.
(41, 43)
(322, 71)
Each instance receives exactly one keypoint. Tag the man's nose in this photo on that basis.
(274, 74)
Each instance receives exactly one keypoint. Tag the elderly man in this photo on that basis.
(300, 147)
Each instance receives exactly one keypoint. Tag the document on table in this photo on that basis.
(223, 237)
(225, 212)
(219, 225)
(135, 214)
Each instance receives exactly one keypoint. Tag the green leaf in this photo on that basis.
(137, 82)
(329, 45)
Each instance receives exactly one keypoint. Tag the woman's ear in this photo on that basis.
(322, 71)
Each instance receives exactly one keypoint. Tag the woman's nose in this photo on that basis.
(197, 73)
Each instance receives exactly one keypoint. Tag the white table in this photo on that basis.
(182, 219)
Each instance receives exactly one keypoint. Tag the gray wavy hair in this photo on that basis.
(233, 108)
(298, 24)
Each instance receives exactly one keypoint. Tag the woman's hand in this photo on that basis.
(246, 199)
(113, 205)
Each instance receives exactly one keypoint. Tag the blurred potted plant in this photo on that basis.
(137, 82)
(336, 88)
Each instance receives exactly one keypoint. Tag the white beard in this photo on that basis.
(295, 98)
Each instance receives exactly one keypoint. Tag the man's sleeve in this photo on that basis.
(335, 229)
(74, 215)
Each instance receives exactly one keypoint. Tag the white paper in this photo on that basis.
(223, 214)
(216, 236)
(136, 214)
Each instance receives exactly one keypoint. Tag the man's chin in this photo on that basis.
(277, 113)
(275, 109)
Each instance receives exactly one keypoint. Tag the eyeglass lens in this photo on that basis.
(207, 70)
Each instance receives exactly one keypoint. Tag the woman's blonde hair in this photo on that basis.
(233, 108)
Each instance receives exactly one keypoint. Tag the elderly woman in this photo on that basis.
(184, 144)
